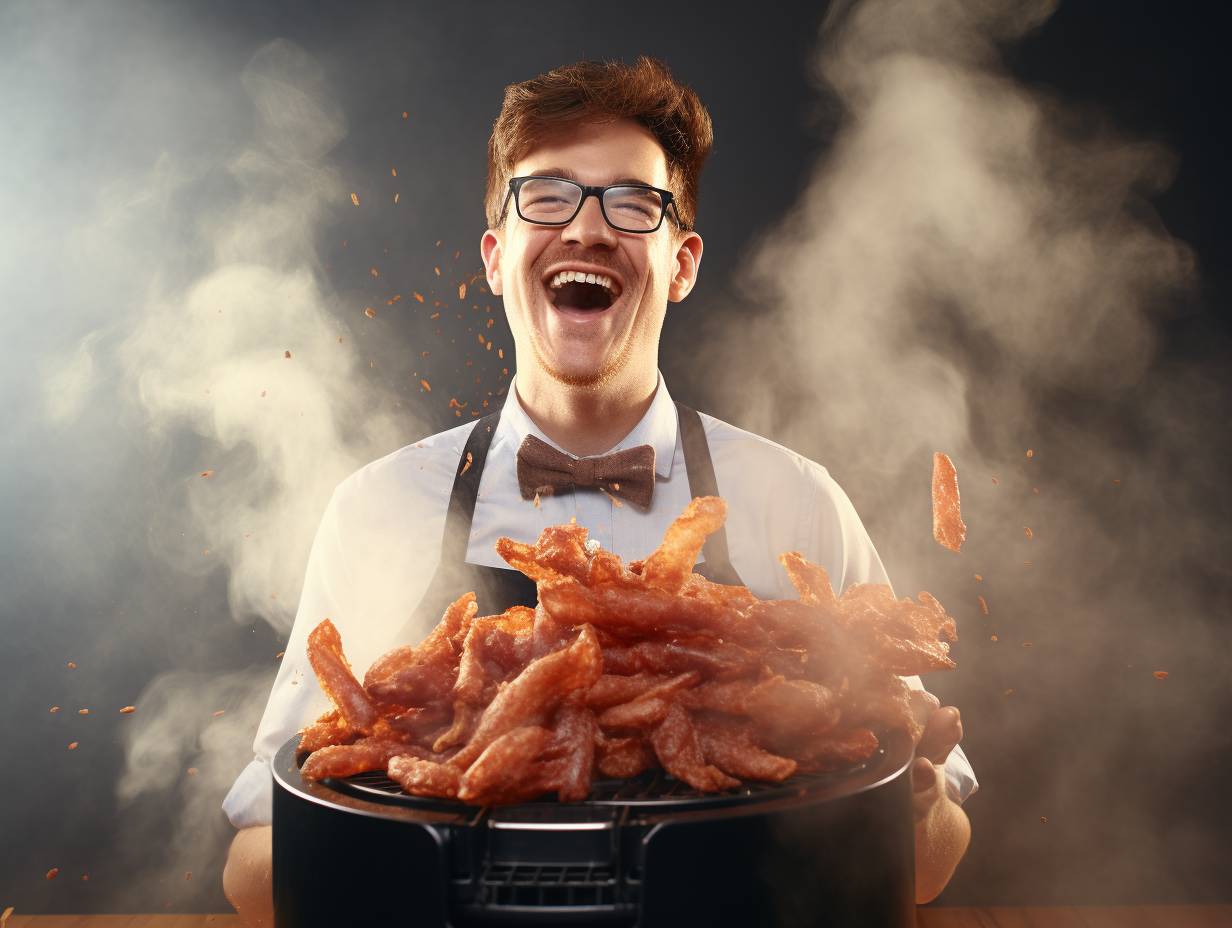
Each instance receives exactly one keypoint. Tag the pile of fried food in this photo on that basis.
(626, 667)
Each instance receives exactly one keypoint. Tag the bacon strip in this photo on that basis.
(344, 760)
(421, 777)
(625, 668)
(732, 749)
(948, 527)
(675, 744)
(535, 691)
(504, 771)
(337, 681)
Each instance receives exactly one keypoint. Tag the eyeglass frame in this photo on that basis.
(515, 185)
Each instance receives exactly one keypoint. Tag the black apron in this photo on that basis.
(498, 588)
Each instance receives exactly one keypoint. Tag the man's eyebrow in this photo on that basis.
(569, 175)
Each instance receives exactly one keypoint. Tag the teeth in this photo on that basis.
(565, 277)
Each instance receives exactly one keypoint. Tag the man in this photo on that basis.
(592, 187)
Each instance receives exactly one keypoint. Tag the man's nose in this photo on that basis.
(589, 227)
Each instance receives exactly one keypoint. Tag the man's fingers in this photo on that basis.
(926, 788)
(941, 734)
(923, 775)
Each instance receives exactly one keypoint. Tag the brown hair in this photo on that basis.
(599, 91)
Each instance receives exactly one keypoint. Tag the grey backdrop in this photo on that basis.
(977, 228)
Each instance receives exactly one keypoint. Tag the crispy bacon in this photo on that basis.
(623, 668)
(948, 527)
(353, 703)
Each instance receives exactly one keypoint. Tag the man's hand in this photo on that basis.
(247, 878)
(942, 831)
(942, 732)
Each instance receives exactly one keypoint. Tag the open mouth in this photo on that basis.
(582, 291)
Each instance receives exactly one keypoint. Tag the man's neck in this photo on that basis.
(585, 420)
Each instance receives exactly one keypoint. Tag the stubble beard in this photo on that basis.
(600, 378)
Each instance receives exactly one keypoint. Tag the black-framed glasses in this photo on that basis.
(556, 201)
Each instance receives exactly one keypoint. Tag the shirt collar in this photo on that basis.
(657, 428)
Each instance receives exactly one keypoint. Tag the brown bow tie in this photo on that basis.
(627, 474)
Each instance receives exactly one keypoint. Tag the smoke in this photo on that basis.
(194, 738)
(246, 355)
(194, 385)
(956, 232)
(975, 267)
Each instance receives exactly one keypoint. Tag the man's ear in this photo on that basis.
(491, 247)
(688, 260)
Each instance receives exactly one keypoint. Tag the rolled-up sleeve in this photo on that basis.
(960, 780)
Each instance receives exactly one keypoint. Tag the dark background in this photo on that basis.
(1155, 71)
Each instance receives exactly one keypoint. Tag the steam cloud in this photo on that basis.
(230, 364)
(975, 268)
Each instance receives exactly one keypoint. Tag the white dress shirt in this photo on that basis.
(379, 543)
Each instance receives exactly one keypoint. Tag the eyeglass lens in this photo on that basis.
(631, 209)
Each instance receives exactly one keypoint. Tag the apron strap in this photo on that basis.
(450, 575)
(717, 565)
(466, 489)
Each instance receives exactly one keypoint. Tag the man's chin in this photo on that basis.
(583, 378)
(579, 375)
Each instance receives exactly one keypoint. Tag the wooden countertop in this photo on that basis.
(1133, 916)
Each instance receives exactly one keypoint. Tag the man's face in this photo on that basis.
(586, 343)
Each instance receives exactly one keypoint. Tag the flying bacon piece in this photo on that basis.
(948, 527)
(505, 771)
(622, 758)
(336, 679)
(344, 760)
(672, 562)
(328, 729)
(536, 691)
(675, 744)
(421, 777)
(730, 747)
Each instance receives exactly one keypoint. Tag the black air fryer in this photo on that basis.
(817, 850)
